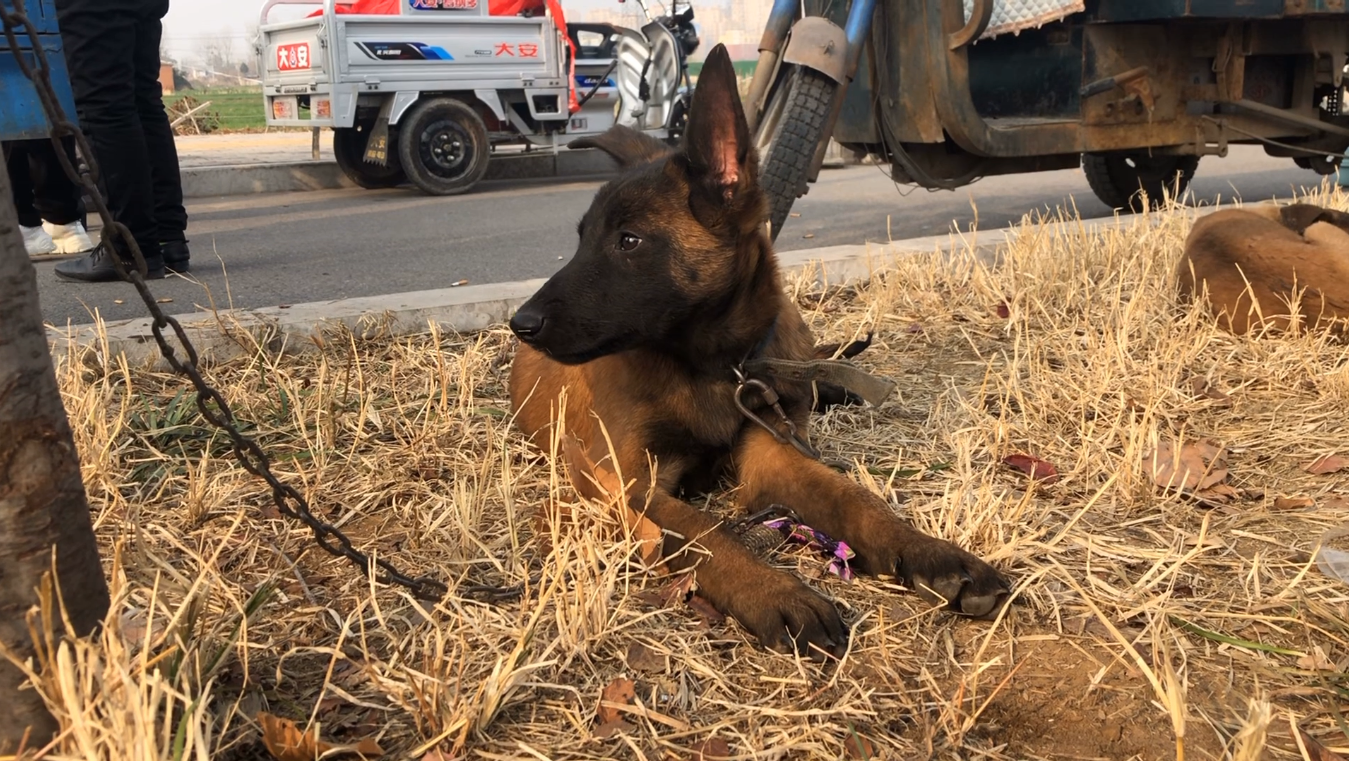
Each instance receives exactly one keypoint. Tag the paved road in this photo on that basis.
(265, 250)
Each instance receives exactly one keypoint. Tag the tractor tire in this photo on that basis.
(1122, 180)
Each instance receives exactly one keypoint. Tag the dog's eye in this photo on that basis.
(628, 242)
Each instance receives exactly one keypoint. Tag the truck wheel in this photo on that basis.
(790, 130)
(1121, 180)
(443, 146)
(349, 150)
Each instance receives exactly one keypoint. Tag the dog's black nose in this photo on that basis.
(527, 324)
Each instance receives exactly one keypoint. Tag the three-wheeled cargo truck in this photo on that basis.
(1135, 91)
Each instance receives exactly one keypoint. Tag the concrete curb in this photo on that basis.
(243, 179)
(301, 327)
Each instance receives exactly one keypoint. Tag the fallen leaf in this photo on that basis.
(1004, 311)
(436, 754)
(610, 728)
(330, 703)
(711, 748)
(620, 692)
(368, 748)
(710, 615)
(1316, 660)
(1218, 494)
(1315, 750)
(283, 306)
(1203, 387)
(667, 595)
(1193, 466)
(1037, 469)
(858, 747)
(1331, 463)
(286, 742)
(1292, 503)
(643, 658)
(1336, 502)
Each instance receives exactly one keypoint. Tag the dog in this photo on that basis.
(1255, 262)
(674, 285)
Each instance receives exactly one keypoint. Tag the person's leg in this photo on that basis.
(36, 241)
(57, 198)
(100, 41)
(21, 182)
(163, 152)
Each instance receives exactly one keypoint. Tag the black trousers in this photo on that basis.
(40, 186)
(112, 51)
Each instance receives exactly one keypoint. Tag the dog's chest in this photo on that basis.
(694, 419)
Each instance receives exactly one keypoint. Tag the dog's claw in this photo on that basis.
(942, 573)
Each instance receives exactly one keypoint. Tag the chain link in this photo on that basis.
(212, 405)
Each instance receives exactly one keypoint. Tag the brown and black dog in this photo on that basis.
(673, 286)
(1255, 261)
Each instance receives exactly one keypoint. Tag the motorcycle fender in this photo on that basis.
(819, 44)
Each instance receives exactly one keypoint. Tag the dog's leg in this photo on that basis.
(776, 607)
(772, 473)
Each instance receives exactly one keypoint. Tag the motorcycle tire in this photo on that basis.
(790, 133)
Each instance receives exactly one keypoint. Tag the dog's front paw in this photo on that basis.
(785, 615)
(940, 572)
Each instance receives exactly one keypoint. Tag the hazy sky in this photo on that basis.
(192, 22)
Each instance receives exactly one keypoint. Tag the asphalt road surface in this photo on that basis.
(266, 250)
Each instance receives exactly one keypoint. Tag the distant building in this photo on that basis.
(166, 76)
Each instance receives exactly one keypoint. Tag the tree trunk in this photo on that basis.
(42, 500)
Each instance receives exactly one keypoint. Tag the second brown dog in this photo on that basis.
(1257, 262)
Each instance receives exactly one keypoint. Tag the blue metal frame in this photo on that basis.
(21, 117)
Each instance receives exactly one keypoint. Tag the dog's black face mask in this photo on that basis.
(661, 244)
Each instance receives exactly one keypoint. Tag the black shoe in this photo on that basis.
(98, 267)
(175, 255)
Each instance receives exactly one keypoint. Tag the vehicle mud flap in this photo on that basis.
(377, 147)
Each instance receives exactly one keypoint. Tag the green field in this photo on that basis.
(237, 108)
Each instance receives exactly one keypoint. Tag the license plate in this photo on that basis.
(284, 107)
(292, 57)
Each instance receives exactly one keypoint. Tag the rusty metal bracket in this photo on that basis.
(980, 17)
(821, 45)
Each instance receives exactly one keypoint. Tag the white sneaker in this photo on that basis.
(37, 242)
(69, 239)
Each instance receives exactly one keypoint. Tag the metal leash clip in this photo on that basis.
(771, 397)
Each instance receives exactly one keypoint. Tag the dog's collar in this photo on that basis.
(762, 346)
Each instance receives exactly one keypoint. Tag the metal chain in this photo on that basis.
(209, 401)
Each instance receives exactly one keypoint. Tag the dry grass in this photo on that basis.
(1146, 625)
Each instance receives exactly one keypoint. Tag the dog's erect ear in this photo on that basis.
(628, 146)
(717, 141)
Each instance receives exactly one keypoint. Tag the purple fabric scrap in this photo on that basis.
(839, 553)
